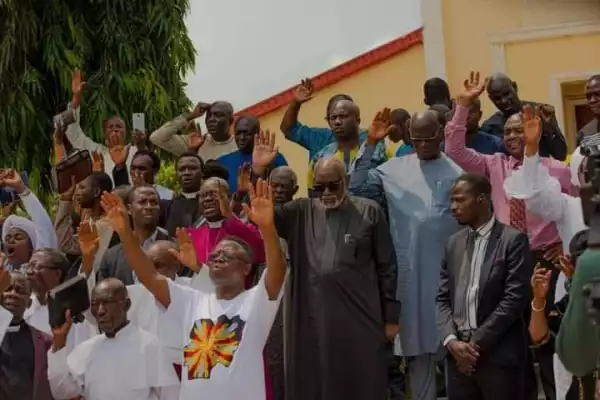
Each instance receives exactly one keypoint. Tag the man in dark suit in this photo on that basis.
(482, 298)
(143, 204)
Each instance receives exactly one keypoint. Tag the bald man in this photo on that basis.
(416, 189)
(218, 142)
(123, 363)
(343, 280)
(502, 92)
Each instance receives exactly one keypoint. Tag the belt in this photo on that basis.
(465, 336)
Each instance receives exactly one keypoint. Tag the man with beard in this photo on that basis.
(543, 235)
(184, 210)
(144, 208)
(23, 349)
(218, 142)
(124, 362)
(246, 128)
(502, 92)
(416, 190)
(343, 273)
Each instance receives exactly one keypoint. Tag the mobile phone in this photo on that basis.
(139, 122)
(8, 195)
(64, 119)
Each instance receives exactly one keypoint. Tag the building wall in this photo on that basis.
(396, 82)
(488, 35)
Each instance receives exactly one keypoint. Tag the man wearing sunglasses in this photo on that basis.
(343, 274)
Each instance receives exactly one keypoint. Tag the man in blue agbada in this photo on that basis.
(416, 188)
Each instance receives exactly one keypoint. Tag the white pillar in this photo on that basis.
(433, 38)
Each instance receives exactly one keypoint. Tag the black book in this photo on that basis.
(70, 295)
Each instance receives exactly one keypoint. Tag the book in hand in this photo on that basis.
(70, 295)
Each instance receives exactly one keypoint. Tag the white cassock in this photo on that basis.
(131, 366)
(145, 311)
(5, 319)
(543, 198)
(37, 316)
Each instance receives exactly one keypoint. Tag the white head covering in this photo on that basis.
(14, 221)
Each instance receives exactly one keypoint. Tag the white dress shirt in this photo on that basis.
(482, 236)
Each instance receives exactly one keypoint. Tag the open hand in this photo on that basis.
(77, 84)
(540, 282)
(381, 126)
(97, 162)
(304, 91)
(265, 149)
(59, 335)
(187, 252)
(70, 192)
(244, 180)
(547, 112)
(200, 109)
(116, 212)
(260, 210)
(89, 241)
(473, 86)
(532, 127)
(117, 150)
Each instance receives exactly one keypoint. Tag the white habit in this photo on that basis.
(131, 366)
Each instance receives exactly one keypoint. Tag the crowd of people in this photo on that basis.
(430, 245)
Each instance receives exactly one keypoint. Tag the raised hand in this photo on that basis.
(89, 240)
(59, 335)
(97, 162)
(540, 282)
(117, 150)
(532, 128)
(116, 212)
(261, 200)
(77, 84)
(381, 126)
(473, 86)
(244, 180)
(304, 91)
(187, 252)
(200, 109)
(68, 195)
(265, 149)
(224, 203)
(139, 139)
(12, 179)
(4, 275)
(565, 264)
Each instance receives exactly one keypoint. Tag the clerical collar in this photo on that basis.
(215, 224)
(192, 195)
(15, 328)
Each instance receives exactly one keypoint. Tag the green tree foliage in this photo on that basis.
(132, 53)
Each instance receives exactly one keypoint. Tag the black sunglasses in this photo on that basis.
(319, 188)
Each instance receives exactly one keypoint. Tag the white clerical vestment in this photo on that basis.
(131, 366)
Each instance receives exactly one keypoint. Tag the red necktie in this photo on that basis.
(518, 219)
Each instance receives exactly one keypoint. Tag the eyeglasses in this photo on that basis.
(226, 256)
(319, 188)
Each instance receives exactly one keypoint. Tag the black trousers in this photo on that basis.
(488, 382)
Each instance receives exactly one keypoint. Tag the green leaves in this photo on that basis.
(132, 53)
